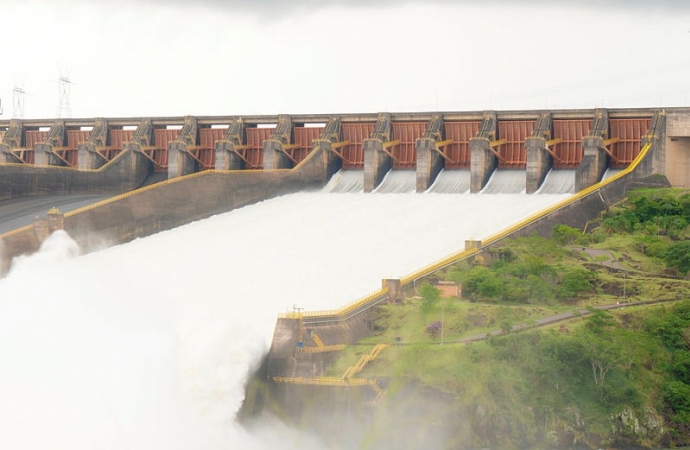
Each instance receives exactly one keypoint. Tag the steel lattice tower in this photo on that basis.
(64, 111)
(18, 103)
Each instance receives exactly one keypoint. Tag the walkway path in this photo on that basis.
(553, 319)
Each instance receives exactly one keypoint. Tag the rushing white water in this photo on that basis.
(398, 181)
(506, 181)
(346, 181)
(148, 345)
(451, 181)
(558, 181)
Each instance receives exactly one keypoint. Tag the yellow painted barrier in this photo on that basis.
(459, 256)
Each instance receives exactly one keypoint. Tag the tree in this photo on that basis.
(677, 256)
(574, 281)
(430, 296)
(565, 234)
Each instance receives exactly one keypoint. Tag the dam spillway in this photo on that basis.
(148, 344)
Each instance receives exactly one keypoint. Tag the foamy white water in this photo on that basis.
(148, 345)
(508, 181)
(558, 181)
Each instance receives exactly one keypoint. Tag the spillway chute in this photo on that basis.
(558, 181)
(610, 172)
(346, 181)
(506, 181)
(398, 181)
(451, 182)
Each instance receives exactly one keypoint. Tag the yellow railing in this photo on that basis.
(134, 192)
(324, 381)
(347, 378)
(459, 256)
(363, 361)
(23, 229)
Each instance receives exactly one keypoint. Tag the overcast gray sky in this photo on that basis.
(230, 57)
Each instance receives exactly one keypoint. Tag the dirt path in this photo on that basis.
(553, 319)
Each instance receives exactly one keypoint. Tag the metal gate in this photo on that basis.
(512, 152)
(355, 134)
(159, 152)
(254, 153)
(458, 152)
(303, 139)
(629, 134)
(405, 154)
(568, 152)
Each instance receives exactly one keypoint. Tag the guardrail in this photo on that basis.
(374, 298)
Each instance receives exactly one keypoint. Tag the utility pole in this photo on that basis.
(300, 326)
(442, 320)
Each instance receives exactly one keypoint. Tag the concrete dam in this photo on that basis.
(135, 197)
(154, 174)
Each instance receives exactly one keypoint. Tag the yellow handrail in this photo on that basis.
(459, 256)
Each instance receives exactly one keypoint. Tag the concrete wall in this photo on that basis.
(124, 173)
(539, 162)
(483, 163)
(429, 163)
(284, 361)
(161, 206)
(676, 162)
(377, 163)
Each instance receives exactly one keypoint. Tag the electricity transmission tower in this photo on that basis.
(18, 103)
(64, 111)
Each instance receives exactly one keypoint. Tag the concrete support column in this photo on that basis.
(483, 163)
(429, 163)
(594, 163)
(139, 162)
(226, 158)
(6, 155)
(656, 136)
(539, 162)
(394, 289)
(377, 163)
(179, 161)
(331, 162)
(473, 244)
(274, 157)
(44, 156)
(88, 157)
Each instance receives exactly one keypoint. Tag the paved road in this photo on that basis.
(19, 212)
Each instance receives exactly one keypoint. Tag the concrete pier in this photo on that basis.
(595, 160)
(180, 161)
(227, 157)
(429, 159)
(275, 156)
(377, 161)
(483, 159)
(539, 160)
(44, 154)
(89, 156)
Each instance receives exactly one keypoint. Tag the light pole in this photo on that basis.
(442, 320)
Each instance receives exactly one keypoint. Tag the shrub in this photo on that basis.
(565, 234)
(434, 329)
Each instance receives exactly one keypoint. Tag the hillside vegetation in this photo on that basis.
(610, 378)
